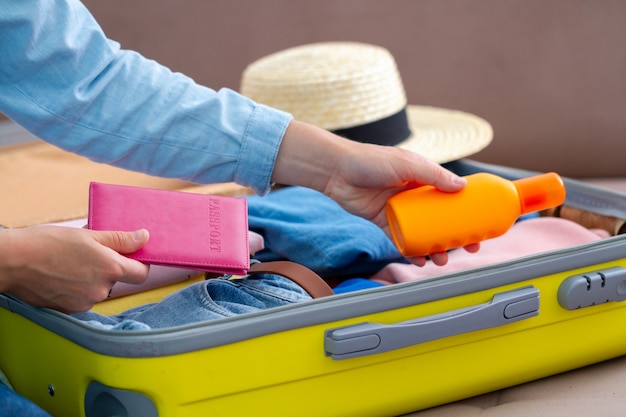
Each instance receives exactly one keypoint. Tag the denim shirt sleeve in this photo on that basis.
(62, 79)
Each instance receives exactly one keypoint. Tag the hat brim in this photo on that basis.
(444, 135)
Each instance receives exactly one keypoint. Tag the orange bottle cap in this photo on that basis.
(540, 192)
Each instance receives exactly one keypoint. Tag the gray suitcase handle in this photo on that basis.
(369, 338)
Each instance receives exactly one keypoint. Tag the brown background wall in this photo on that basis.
(549, 75)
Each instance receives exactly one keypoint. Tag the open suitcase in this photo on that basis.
(384, 351)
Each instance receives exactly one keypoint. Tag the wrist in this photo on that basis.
(308, 156)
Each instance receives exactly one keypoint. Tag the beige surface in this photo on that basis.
(597, 390)
(47, 184)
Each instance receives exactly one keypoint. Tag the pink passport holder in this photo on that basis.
(194, 231)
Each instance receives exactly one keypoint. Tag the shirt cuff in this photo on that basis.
(262, 138)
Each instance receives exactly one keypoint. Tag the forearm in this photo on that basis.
(62, 79)
(6, 260)
(309, 156)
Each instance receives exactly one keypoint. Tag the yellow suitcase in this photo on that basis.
(376, 352)
(384, 351)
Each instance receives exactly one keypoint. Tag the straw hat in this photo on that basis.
(355, 90)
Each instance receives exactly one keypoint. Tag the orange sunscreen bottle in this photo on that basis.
(425, 220)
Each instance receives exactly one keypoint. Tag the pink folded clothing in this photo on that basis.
(526, 237)
(256, 242)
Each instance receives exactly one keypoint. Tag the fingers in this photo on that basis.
(134, 272)
(473, 248)
(69, 269)
(445, 180)
(423, 171)
(124, 242)
(130, 270)
(417, 260)
(440, 258)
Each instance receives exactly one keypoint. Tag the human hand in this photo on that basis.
(360, 177)
(363, 184)
(65, 268)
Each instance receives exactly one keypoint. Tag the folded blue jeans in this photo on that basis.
(202, 301)
(307, 227)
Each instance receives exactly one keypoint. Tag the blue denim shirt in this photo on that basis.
(63, 80)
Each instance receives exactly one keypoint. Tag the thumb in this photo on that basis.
(124, 242)
(449, 182)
